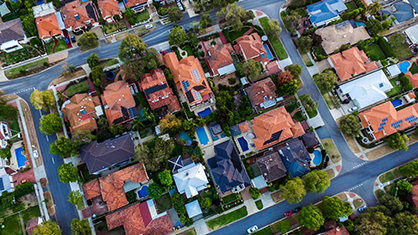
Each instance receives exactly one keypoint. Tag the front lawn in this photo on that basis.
(230, 198)
(350, 6)
(164, 203)
(299, 116)
(277, 44)
(402, 51)
(414, 68)
(290, 108)
(227, 218)
(77, 88)
(375, 53)
(331, 149)
(109, 28)
(12, 226)
(30, 213)
(142, 16)
(259, 204)
(397, 89)
(122, 24)
(33, 65)
(61, 45)
(264, 231)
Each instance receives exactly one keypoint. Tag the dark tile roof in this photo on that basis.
(189, 96)
(403, 12)
(11, 30)
(295, 158)
(100, 156)
(414, 4)
(271, 166)
(309, 140)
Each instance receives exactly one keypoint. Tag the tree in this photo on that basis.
(293, 191)
(165, 178)
(80, 227)
(205, 21)
(88, 40)
(311, 217)
(373, 222)
(304, 43)
(404, 187)
(97, 74)
(255, 193)
(47, 228)
(410, 170)
(177, 36)
(130, 15)
(75, 197)
(220, 3)
(82, 137)
(317, 181)
(299, 3)
(290, 88)
(42, 99)
(374, 26)
(116, 129)
(403, 223)
(392, 203)
(199, 5)
(250, 68)
(178, 203)
(93, 60)
(137, 124)
(155, 190)
(284, 77)
(51, 123)
(397, 39)
(67, 173)
(206, 203)
(274, 30)
(373, 8)
(283, 226)
(154, 152)
(5, 153)
(309, 104)
(350, 125)
(170, 124)
(28, 23)
(398, 141)
(295, 69)
(63, 147)
(235, 16)
(174, 13)
(334, 208)
(292, 22)
(9, 112)
(326, 81)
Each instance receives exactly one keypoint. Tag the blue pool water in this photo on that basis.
(244, 144)
(39, 2)
(186, 137)
(396, 102)
(404, 66)
(268, 52)
(21, 160)
(205, 112)
(359, 23)
(143, 192)
(318, 157)
(201, 134)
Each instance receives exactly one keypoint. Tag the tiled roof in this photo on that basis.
(273, 127)
(135, 221)
(261, 91)
(189, 77)
(295, 158)
(271, 166)
(81, 112)
(117, 99)
(273, 67)
(157, 91)
(191, 179)
(415, 189)
(75, 14)
(251, 47)
(32, 224)
(243, 127)
(337, 231)
(413, 78)
(11, 30)
(109, 8)
(351, 62)
(386, 120)
(220, 56)
(92, 189)
(132, 3)
(47, 26)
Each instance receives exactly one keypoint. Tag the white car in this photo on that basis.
(352, 109)
(35, 154)
(252, 229)
(149, 26)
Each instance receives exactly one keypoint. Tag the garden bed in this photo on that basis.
(18, 56)
(227, 218)
(109, 28)
(259, 204)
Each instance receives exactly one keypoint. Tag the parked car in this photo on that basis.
(352, 109)
(72, 38)
(66, 40)
(362, 209)
(35, 154)
(305, 23)
(297, 209)
(149, 26)
(252, 229)
(289, 213)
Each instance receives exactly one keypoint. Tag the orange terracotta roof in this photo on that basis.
(189, 77)
(275, 126)
(117, 97)
(337, 231)
(381, 118)
(109, 8)
(412, 95)
(69, 12)
(415, 200)
(112, 185)
(413, 78)
(81, 112)
(132, 3)
(251, 47)
(415, 189)
(260, 91)
(244, 127)
(220, 56)
(32, 224)
(157, 91)
(47, 26)
(91, 189)
(351, 62)
(273, 67)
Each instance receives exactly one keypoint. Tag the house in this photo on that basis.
(413, 78)
(274, 127)
(271, 166)
(48, 21)
(239, 128)
(193, 210)
(262, 94)
(81, 111)
(5, 134)
(5, 181)
(157, 91)
(109, 8)
(336, 231)
(310, 141)
(136, 5)
(350, 63)
(412, 34)
(119, 103)
(334, 36)
(384, 120)
(295, 158)
(12, 35)
(227, 169)
(367, 90)
(219, 59)
(100, 156)
(77, 16)
(178, 162)
(401, 10)
(140, 219)
(191, 179)
(325, 11)
(190, 79)
(32, 224)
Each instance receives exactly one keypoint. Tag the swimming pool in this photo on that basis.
(359, 23)
(201, 134)
(21, 160)
(268, 52)
(396, 102)
(186, 137)
(143, 192)
(244, 144)
(205, 112)
(318, 157)
(404, 66)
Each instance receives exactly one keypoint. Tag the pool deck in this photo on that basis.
(250, 148)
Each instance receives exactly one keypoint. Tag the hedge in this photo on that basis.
(386, 48)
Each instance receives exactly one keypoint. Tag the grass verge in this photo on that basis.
(390, 175)
(357, 203)
(227, 218)
(331, 149)
(264, 231)
(259, 204)
(33, 65)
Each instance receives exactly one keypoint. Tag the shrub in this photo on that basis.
(255, 193)
(232, 81)
(384, 45)
(46, 64)
(213, 43)
(384, 63)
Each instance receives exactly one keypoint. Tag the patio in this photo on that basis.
(98, 207)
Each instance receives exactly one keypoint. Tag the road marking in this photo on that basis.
(46, 137)
(359, 165)
(24, 90)
(355, 187)
(53, 161)
(40, 113)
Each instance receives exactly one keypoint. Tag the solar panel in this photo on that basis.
(185, 85)
(196, 75)
(197, 95)
(380, 128)
(385, 119)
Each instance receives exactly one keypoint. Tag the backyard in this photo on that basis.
(227, 218)
(60, 46)
(277, 44)
(163, 203)
(402, 51)
(414, 68)
(15, 71)
(12, 224)
(397, 87)
(375, 53)
(350, 6)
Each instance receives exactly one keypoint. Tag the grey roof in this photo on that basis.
(325, 10)
(309, 140)
(295, 158)
(11, 30)
(193, 209)
(271, 166)
(414, 4)
(403, 11)
(235, 130)
(100, 156)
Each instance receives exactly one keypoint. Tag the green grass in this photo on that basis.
(414, 68)
(375, 53)
(302, 12)
(357, 202)
(391, 175)
(397, 89)
(331, 149)
(298, 116)
(12, 226)
(277, 44)
(30, 213)
(33, 65)
(236, 34)
(259, 204)
(109, 28)
(60, 46)
(350, 6)
(164, 202)
(264, 231)
(77, 88)
(188, 49)
(11, 16)
(142, 16)
(402, 51)
(230, 198)
(227, 218)
(290, 108)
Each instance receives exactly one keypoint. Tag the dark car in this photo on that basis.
(72, 38)
(297, 209)
(289, 213)
(66, 40)
(305, 23)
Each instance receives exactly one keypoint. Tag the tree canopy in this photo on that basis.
(326, 80)
(47, 228)
(333, 208)
(291, 21)
(235, 16)
(93, 60)
(317, 181)
(398, 141)
(295, 69)
(155, 190)
(88, 40)
(44, 100)
(75, 197)
(397, 39)
(165, 177)
(311, 217)
(80, 227)
(404, 187)
(290, 88)
(250, 68)
(205, 21)
(177, 36)
(293, 191)
(170, 124)
(50, 124)
(67, 173)
(374, 26)
(154, 153)
(410, 170)
(350, 126)
(304, 43)
(274, 29)
(392, 203)
(174, 13)
(63, 147)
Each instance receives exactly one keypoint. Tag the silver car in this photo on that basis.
(252, 229)
(149, 26)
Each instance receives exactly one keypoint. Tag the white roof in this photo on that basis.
(43, 9)
(9, 44)
(191, 179)
(151, 208)
(6, 179)
(259, 182)
(60, 21)
(412, 33)
(368, 90)
(226, 70)
(193, 209)
(393, 70)
(4, 10)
